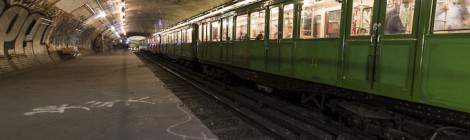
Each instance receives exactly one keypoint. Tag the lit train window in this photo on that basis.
(164, 40)
(208, 32)
(189, 34)
(288, 26)
(215, 28)
(274, 23)
(320, 19)
(200, 32)
(183, 36)
(227, 28)
(452, 16)
(174, 38)
(361, 17)
(203, 39)
(230, 29)
(179, 39)
(257, 25)
(170, 38)
(224, 29)
(242, 27)
(399, 18)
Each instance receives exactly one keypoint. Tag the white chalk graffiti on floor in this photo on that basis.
(87, 106)
(54, 109)
(189, 118)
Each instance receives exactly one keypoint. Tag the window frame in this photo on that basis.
(183, 36)
(200, 34)
(323, 20)
(294, 21)
(251, 24)
(247, 24)
(219, 31)
(189, 35)
(228, 24)
(279, 22)
(432, 20)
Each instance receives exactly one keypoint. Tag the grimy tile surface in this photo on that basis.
(99, 97)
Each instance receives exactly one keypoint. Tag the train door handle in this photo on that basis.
(379, 38)
(372, 37)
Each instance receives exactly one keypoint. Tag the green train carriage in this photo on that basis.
(351, 44)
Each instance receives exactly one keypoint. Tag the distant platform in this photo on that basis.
(99, 97)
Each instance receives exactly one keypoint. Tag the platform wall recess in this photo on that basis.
(29, 38)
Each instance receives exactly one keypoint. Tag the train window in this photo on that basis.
(215, 30)
(180, 37)
(183, 36)
(164, 39)
(224, 29)
(203, 32)
(257, 25)
(320, 19)
(189, 34)
(288, 26)
(242, 27)
(206, 32)
(230, 28)
(173, 38)
(200, 33)
(207, 36)
(399, 18)
(170, 38)
(227, 28)
(274, 23)
(361, 17)
(452, 16)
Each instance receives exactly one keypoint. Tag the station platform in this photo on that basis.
(98, 97)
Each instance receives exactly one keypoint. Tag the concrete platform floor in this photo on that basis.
(108, 97)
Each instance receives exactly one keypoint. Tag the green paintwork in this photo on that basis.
(419, 67)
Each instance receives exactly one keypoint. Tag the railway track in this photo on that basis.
(278, 118)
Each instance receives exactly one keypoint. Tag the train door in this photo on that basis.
(286, 44)
(380, 47)
(273, 43)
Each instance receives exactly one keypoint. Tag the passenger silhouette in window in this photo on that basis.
(259, 36)
(393, 24)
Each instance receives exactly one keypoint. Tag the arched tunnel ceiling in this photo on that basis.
(145, 15)
(141, 16)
